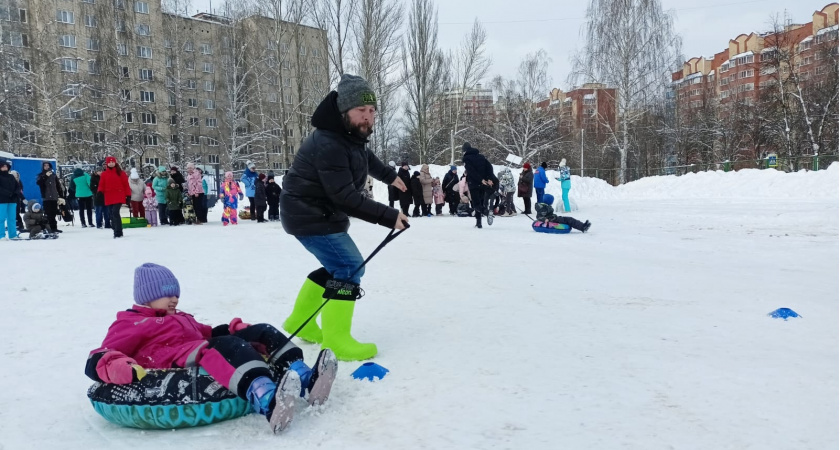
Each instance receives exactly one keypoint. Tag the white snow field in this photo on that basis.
(648, 332)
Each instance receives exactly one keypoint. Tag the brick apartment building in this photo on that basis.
(85, 78)
(741, 73)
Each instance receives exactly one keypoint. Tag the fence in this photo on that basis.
(786, 164)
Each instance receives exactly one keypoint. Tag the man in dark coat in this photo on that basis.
(416, 194)
(52, 193)
(405, 196)
(393, 192)
(320, 193)
(450, 190)
(480, 179)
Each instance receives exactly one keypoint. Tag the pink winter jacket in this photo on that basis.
(194, 186)
(151, 338)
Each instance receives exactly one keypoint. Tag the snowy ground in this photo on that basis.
(649, 332)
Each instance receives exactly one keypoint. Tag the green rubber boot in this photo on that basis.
(337, 317)
(308, 300)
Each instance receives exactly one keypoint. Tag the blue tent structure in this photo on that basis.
(29, 168)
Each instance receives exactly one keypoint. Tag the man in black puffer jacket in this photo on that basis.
(480, 180)
(320, 192)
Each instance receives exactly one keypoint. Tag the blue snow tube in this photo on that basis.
(556, 229)
(167, 399)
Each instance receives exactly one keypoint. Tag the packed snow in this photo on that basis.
(648, 332)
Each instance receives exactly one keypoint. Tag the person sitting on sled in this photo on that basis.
(545, 214)
(36, 222)
(152, 334)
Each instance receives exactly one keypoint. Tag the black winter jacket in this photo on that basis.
(450, 181)
(9, 190)
(478, 168)
(417, 189)
(272, 193)
(405, 176)
(259, 193)
(330, 170)
(98, 197)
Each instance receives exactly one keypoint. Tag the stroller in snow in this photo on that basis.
(188, 210)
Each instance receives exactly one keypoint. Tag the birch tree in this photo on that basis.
(336, 16)
(423, 70)
(629, 45)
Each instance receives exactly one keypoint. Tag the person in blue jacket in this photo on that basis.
(249, 178)
(565, 183)
(540, 180)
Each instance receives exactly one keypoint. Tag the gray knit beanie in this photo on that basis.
(152, 282)
(354, 91)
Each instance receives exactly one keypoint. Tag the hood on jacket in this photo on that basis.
(327, 117)
(5, 162)
(424, 168)
(190, 166)
(228, 175)
(78, 173)
(416, 174)
(548, 199)
(33, 206)
(469, 150)
(148, 192)
(170, 182)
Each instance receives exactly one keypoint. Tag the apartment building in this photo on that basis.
(97, 77)
(743, 71)
(589, 108)
(476, 106)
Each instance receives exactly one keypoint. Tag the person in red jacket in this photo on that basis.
(113, 184)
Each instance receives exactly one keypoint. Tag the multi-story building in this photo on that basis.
(123, 77)
(476, 106)
(740, 73)
(590, 108)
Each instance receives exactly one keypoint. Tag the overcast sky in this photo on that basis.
(518, 27)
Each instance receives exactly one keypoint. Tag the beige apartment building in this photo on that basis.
(89, 78)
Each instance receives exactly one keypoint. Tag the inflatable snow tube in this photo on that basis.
(552, 228)
(167, 399)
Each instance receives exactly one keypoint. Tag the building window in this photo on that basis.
(210, 122)
(147, 96)
(286, 65)
(141, 7)
(88, 1)
(276, 165)
(119, 4)
(189, 65)
(69, 65)
(125, 95)
(805, 45)
(28, 136)
(746, 73)
(129, 118)
(21, 15)
(67, 40)
(192, 102)
(193, 121)
(167, 43)
(146, 74)
(213, 159)
(272, 97)
(98, 116)
(193, 139)
(72, 90)
(212, 142)
(206, 49)
(95, 93)
(65, 17)
(316, 53)
(172, 99)
(125, 72)
(153, 161)
(148, 118)
(168, 61)
(173, 119)
(18, 40)
(191, 84)
(209, 86)
(122, 49)
(150, 140)
(90, 21)
(93, 45)
(208, 67)
(291, 149)
(287, 82)
(302, 50)
(210, 104)
(99, 138)
(93, 67)
(144, 29)
(119, 25)
(275, 149)
(288, 98)
(144, 52)
(188, 46)
(290, 133)
(316, 70)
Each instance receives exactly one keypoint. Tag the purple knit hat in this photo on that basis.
(152, 282)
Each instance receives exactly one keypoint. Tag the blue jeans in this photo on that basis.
(337, 253)
(102, 213)
(8, 211)
(540, 193)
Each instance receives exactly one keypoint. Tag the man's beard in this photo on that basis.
(356, 130)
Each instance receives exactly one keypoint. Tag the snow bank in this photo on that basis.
(743, 184)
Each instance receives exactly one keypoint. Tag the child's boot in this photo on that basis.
(309, 299)
(318, 381)
(275, 401)
(337, 318)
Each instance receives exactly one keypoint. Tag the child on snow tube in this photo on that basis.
(257, 363)
(547, 220)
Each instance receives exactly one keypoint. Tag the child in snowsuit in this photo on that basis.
(230, 195)
(507, 187)
(437, 194)
(152, 334)
(545, 214)
(36, 221)
(174, 203)
(260, 198)
(565, 180)
(150, 205)
(272, 193)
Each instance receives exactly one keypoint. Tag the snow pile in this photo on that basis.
(743, 184)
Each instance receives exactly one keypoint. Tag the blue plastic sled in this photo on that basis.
(556, 229)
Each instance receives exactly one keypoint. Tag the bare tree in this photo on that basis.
(336, 17)
(423, 69)
(630, 45)
(523, 127)
(469, 65)
(377, 59)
